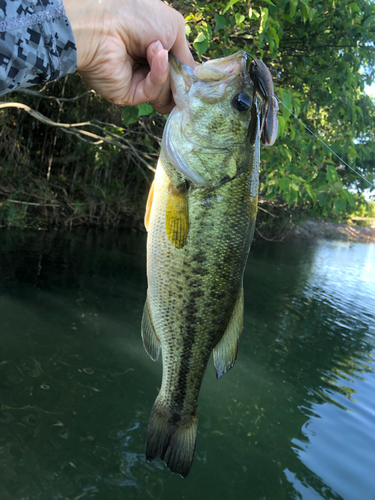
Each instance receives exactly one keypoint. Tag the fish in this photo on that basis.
(200, 217)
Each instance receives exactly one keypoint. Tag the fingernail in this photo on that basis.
(164, 62)
(158, 46)
(192, 62)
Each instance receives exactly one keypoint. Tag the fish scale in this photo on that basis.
(199, 236)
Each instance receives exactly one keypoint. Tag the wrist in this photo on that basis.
(87, 21)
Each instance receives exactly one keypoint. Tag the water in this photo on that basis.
(294, 419)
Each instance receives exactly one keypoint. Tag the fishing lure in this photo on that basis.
(262, 79)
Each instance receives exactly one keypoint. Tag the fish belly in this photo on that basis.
(192, 294)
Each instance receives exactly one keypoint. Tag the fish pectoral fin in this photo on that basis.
(151, 342)
(225, 352)
(149, 205)
(177, 216)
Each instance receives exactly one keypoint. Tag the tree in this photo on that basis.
(320, 53)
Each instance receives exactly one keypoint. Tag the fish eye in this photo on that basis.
(241, 101)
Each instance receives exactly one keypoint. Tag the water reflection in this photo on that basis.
(293, 419)
(320, 342)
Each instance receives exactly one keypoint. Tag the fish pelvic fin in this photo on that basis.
(149, 205)
(151, 342)
(225, 351)
(171, 438)
(177, 216)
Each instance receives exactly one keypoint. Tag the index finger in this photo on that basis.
(180, 48)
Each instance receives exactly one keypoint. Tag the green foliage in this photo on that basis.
(363, 208)
(130, 114)
(48, 177)
(321, 54)
(12, 215)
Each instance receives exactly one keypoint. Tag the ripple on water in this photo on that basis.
(295, 418)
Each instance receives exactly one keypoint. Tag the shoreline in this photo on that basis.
(308, 229)
(312, 229)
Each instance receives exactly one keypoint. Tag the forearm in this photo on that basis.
(36, 44)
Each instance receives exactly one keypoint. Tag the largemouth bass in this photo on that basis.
(200, 218)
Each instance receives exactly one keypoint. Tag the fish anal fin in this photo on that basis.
(149, 205)
(177, 216)
(171, 439)
(225, 352)
(151, 342)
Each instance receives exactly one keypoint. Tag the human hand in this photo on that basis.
(122, 48)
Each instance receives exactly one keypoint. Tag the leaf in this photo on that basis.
(349, 197)
(206, 29)
(331, 174)
(359, 110)
(323, 198)
(275, 35)
(221, 22)
(229, 5)
(340, 204)
(194, 17)
(292, 196)
(263, 20)
(293, 6)
(200, 47)
(294, 177)
(292, 131)
(309, 191)
(281, 125)
(271, 3)
(187, 30)
(145, 109)
(239, 18)
(129, 115)
(254, 13)
(201, 37)
(284, 183)
(354, 7)
(287, 99)
(286, 112)
(369, 20)
(305, 12)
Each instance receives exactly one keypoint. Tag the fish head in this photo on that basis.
(211, 134)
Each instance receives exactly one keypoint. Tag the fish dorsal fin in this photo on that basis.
(225, 352)
(151, 342)
(149, 205)
(177, 216)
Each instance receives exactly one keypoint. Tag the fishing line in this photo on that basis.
(317, 137)
(326, 145)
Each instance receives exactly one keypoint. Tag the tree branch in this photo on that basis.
(53, 98)
(74, 129)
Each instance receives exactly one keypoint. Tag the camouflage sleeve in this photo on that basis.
(36, 43)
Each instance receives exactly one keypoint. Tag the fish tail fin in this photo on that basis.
(171, 438)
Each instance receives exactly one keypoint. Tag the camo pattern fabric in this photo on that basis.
(36, 43)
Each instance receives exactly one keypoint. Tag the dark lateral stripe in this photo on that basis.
(179, 392)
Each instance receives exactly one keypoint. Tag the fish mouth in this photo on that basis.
(182, 78)
(176, 64)
(218, 68)
(210, 81)
(215, 71)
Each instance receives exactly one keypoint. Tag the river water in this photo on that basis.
(294, 419)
